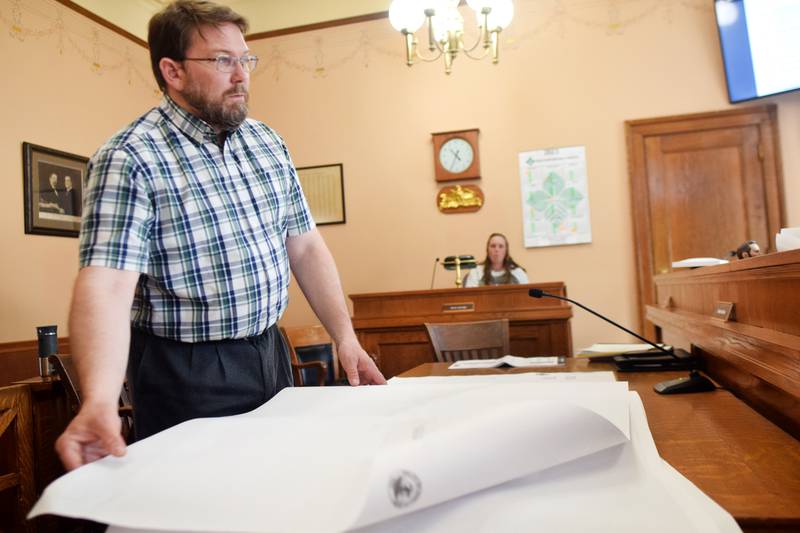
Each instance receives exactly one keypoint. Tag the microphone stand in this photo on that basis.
(670, 360)
(433, 276)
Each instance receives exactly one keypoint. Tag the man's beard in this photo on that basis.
(216, 114)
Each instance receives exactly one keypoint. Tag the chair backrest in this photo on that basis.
(302, 339)
(454, 341)
(68, 375)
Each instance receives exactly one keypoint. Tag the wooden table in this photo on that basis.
(741, 460)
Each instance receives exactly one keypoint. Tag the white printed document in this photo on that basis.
(507, 360)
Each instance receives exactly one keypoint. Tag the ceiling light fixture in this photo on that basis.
(446, 28)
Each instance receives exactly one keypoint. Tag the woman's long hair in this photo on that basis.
(508, 264)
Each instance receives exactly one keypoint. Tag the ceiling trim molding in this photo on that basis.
(103, 22)
(317, 26)
(251, 37)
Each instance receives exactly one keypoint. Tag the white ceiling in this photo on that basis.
(263, 15)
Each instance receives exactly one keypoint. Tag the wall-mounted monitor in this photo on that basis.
(760, 42)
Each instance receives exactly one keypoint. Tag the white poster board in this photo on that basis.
(555, 196)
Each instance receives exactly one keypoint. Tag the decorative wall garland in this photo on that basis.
(320, 55)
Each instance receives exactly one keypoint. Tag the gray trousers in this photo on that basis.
(173, 381)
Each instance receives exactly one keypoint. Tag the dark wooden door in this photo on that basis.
(701, 185)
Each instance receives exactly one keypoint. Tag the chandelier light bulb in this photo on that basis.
(406, 15)
(478, 5)
(445, 29)
(501, 15)
(446, 21)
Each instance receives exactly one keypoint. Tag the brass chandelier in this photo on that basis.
(446, 28)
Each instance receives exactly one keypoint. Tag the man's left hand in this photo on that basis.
(358, 365)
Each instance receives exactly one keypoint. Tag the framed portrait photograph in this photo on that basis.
(53, 182)
(323, 187)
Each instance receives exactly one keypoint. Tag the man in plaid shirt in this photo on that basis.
(192, 220)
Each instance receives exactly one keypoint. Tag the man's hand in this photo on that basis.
(94, 433)
(315, 271)
(359, 367)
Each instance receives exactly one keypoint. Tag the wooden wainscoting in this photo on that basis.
(18, 360)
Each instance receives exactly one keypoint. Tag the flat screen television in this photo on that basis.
(760, 42)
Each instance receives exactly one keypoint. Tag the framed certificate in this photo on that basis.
(323, 187)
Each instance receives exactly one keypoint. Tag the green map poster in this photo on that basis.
(555, 196)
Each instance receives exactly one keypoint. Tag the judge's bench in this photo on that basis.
(391, 325)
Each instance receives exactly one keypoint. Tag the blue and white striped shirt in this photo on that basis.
(206, 227)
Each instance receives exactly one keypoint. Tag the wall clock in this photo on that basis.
(455, 155)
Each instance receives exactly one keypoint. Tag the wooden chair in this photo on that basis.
(68, 374)
(455, 341)
(17, 482)
(303, 337)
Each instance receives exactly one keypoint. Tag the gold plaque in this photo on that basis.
(459, 199)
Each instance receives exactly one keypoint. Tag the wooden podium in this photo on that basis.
(390, 325)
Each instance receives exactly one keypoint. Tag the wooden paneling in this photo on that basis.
(18, 360)
(757, 354)
(701, 185)
(51, 414)
(390, 325)
(17, 488)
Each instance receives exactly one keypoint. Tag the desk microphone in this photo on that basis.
(433, 276)
(671, 360)
(538, 293)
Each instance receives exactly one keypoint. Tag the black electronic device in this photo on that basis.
(48, 345)
(694, 382)
(661, 359)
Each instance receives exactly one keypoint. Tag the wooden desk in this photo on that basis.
(740, 459)
(755, 353)
(390, 325)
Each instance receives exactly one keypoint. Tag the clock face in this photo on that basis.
(456, 155)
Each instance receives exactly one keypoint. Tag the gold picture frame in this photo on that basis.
(323, 187)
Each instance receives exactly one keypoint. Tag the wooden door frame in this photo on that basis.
(765, 117)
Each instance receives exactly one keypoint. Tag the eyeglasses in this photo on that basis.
(226, 63)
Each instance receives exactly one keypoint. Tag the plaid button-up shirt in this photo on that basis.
(206, 227)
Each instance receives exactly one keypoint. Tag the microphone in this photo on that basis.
(538, 293)
(433, 276)
(671, 360)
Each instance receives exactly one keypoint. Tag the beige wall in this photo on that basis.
(54, 95)
(565, 78)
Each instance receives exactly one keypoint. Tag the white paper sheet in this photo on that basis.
(549, 456)
(220, 474)
(507, 360)
(527, 377)
(622, 489)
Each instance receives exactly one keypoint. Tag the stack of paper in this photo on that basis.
(695, 262)
(471, 455)
(507, 361)
(607, 351)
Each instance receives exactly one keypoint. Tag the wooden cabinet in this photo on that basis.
(390, 325)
